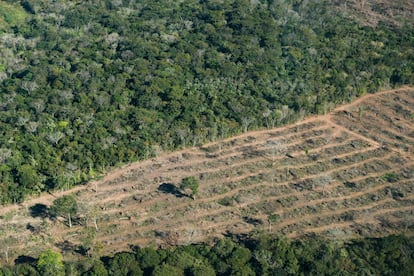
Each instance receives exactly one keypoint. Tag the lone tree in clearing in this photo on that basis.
(189, 183)
(65, 206)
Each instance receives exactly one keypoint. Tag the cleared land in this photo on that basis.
(346, 174)
(372, 12)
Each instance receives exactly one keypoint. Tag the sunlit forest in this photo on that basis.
(87, 86)
(259, 255)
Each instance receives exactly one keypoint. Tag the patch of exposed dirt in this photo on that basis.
(346, 174)
(373, 12)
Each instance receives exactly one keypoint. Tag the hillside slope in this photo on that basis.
(346, 174)
(86, 86)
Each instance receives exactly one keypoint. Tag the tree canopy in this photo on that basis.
(95, 84)
(65, 206)
(190, 183)
(257, 255)
(50, 263)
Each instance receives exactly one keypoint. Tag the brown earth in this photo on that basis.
(373, 12)
(346, 174)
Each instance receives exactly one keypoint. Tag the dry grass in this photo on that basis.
(373, 12)
(346, 174)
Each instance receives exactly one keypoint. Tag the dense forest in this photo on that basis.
(264, 255)
(86, 86)
(89, 85)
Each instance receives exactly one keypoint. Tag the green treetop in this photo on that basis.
(50, 263)
(65, 206)
(190, 183)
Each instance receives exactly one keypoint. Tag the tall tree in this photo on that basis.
(190, 183)
(65, 206)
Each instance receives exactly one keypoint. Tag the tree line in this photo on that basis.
(260, 254)
(94, 84)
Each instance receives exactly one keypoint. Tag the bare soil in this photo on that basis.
(343, 175)
(374, 12)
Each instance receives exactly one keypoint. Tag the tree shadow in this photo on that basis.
(239, 237)
(168, 188)
(253, 221)
(23, 259)
(82, 250)
(31, 228)
(67, 246)
(39, 210)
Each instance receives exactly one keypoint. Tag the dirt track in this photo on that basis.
(323, 175)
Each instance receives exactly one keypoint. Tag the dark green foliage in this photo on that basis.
(24, 270)
(390, 177)
(181, 260)
(166, 269)
(65, 206)
(6, 271)
(386, 256)
(190, 183)
(263, 255)
(29, 179)
(97, 268)
(228, 257)
(124, 264)
(148, 258)
(328, 258)
(202, 270)
(93, 86)
(275, 254)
